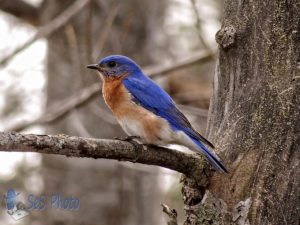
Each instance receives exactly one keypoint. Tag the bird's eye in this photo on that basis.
(111, 64)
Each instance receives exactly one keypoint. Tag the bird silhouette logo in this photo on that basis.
(15, 208)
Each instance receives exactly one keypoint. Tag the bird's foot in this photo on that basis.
(136, 145)
(128, 138)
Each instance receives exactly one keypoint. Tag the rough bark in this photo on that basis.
(255, 117)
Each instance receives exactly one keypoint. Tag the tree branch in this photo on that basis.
(198, 25)
(48, 29)
(21, 10)
(201, 57)
(190, 165)
(62, 108)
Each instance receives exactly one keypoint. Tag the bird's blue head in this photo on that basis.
(115, 66)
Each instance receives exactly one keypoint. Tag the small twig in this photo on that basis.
(172, 214)
(48, 29)
(198, 26)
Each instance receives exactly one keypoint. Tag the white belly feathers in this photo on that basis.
(143, 123)
(154, 130)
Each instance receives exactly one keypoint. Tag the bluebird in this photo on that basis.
(144, 109)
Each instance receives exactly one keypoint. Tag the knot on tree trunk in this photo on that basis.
(202, 207)
(192, 193)
(225, 37)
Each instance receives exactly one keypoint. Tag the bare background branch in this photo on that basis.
(48, 29)
(21, 10)
(62, 108)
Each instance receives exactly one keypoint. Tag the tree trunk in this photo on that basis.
(254, 118)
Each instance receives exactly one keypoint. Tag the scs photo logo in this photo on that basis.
(43, 201)
(18, 209)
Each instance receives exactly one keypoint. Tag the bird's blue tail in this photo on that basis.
(214, 161)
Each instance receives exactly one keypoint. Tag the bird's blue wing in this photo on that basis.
(152, 97)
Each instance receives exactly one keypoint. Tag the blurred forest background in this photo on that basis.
(45, 88)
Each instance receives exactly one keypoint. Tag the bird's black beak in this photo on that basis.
(94, 67)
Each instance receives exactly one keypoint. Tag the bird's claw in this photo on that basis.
(137, 148)
(136, 145)
(131, 138)
(128, 138)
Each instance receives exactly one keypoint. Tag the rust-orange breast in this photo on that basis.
(115, 94)
(134, 119)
